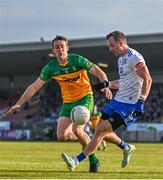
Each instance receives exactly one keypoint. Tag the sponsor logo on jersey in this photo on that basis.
(72, 79)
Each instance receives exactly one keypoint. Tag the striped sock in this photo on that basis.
(123, 145)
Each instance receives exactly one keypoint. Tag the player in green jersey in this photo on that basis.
(70, 71)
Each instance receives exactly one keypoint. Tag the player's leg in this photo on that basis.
(112, 120)
(119, 116)
(100, 133)
(64, 129)
(87, 101)
(127, 149)
(79, 132)
(84, 140)
(64, 125)
(105, 128)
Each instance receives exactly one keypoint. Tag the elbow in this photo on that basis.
(148, 80)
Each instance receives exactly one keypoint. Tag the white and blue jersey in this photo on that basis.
(130, 86)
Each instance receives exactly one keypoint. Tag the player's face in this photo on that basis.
(60, 49)
(114, 46)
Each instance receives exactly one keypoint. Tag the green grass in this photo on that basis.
(42, 160)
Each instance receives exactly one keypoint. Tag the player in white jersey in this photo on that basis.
(130, 84)
(128, 104)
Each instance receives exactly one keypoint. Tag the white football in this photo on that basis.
(80, 114)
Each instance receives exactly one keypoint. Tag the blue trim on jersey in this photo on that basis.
(125, 110)
(129, 53)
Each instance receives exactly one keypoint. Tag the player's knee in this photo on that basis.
(98, 131)
(101, 130)
(78, 131)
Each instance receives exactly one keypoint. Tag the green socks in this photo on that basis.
(92, 159)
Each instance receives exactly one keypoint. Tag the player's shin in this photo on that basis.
(93, 145)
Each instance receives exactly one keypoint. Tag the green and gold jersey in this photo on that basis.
(72, 77)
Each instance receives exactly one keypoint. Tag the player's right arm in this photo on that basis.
(27, 95)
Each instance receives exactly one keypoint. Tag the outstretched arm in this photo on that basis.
(27, 95)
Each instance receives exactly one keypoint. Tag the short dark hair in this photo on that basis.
(59, 37)
(117, 35)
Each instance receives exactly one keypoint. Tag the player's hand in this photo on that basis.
(100, 85)
(107, 93)
(12, 109)
(139, 108)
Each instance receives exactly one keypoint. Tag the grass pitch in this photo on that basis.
(42, 160)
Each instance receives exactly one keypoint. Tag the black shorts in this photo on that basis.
(116, 120)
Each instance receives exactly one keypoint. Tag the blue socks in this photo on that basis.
(81, 157)
(123, 145)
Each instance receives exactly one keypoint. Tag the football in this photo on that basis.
(80, 115)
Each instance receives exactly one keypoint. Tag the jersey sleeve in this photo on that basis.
(45, 74)
(137, 61)
(85, 63)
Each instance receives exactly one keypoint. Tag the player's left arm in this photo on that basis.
(143, 73)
